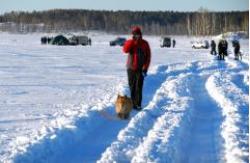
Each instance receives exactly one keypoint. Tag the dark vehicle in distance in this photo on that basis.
(59, 40)
(62, 40)
(166, 42)
(118, 41)
(80, 40)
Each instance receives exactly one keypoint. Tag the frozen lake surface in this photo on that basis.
(57, 103)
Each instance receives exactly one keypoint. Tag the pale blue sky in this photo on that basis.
(155, 5)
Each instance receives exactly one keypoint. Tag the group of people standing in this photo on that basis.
(222, 49)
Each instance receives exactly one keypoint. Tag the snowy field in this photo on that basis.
(57, 104)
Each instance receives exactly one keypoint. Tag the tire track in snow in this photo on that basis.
(73, 144)
(196, 137)
(129, 138)
(136, 134)
(240, 74)
(234, 104)
(200, 139)
(240, 79)
(199, 142)
(156, 145)
(122, 150)
(229, 87)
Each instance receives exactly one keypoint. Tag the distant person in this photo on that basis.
(236, 46)
(222, 47)
(89, 41)
(49, 39)
(213, 47)
(44, 40)
(174, 42)
(138, 61)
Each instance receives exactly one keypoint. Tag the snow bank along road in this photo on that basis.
(194, 111)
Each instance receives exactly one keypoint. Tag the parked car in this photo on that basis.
(80, 40)
(118, 41)
(166, 42)
(200, 44)
(62, 40)
(59, 40)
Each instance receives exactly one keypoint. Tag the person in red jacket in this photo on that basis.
(138, 61)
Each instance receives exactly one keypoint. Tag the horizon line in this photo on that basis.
(114, 10)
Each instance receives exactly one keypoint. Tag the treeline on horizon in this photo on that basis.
(202, 22)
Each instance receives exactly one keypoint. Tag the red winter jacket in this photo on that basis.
(139, 54)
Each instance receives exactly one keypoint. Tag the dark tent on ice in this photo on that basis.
(59, 40)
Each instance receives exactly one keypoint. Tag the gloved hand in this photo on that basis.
(144, 73)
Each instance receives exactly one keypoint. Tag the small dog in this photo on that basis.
(123, 106)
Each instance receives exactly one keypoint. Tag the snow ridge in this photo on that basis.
(235, 105)
(129, 138)
(154, 147)
(195, 112)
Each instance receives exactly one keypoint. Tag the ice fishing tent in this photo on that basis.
(59, 40)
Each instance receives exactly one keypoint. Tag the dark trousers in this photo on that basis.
(221, 55)
(213, 51)
(135, 81)
(236, 53)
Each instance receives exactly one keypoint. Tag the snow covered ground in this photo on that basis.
(57, 104)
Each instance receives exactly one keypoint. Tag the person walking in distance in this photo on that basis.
(236, 45)
(222, 48)
(213, 47)
(139, 56)
(174, 42)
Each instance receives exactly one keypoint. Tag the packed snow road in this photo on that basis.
(57, 104)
